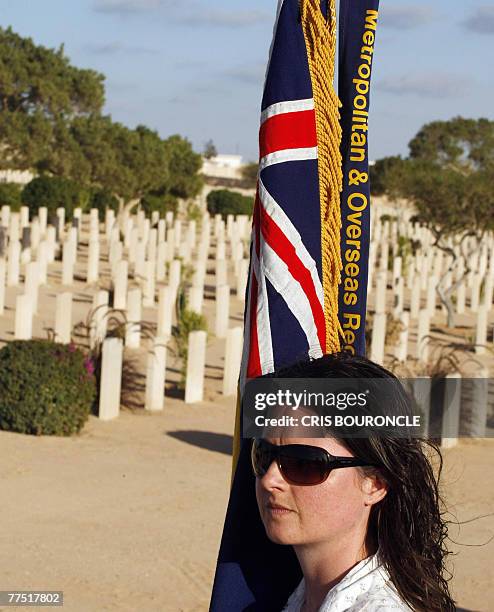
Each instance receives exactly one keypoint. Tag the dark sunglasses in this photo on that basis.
(299, 464)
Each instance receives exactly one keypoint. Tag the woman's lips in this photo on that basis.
(277, 510)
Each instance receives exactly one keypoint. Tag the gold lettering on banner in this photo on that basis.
(357, 201)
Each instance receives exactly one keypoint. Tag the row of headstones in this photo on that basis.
(466, 406)
(401, 350)
(423, 274)
(36, 271)
(112, 361)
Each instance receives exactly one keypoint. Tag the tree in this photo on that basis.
(387, 175)
(51, 122)
(184, 164)
(249, 173)
(209, 150)
(226, 202)
(54, 192)
(39, 90)
(10, 195)
(449, 176)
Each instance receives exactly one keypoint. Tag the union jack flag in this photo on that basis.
(284, 317)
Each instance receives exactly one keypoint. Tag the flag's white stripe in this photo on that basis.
(287, 155)
(264, 339)
(274, 210)
(246, 345)
(291, 106)
(278, 275)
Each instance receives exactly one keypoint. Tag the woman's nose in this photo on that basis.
(273, 477)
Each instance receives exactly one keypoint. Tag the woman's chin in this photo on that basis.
(279, 534)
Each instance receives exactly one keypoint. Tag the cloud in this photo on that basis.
(222, 18)
(250, 75)
(185, 12)
(116, 47)
(127, 6)
(482, 21)
(427, 85)
(406, 17)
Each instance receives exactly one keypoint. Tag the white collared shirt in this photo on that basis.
(367, 587)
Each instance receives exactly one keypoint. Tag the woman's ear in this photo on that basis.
(374, 488)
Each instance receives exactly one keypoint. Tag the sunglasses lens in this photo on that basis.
(261, 458)
(303, 470)
(300, 465)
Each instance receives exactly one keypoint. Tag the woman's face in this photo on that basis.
(336, 509)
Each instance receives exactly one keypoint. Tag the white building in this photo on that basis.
(223, 166)
(21, 177)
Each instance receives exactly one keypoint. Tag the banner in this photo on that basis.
(306, 294)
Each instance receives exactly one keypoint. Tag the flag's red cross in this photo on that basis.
(281, 132)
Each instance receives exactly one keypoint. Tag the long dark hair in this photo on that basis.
(407, 526)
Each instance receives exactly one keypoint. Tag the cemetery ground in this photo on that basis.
(128, 515)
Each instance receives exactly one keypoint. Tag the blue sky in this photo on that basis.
(196, 67)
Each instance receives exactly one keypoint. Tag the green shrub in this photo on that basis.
(10, 195)
(162, 203)
(55, 192)
(45, 388)
(187, 321)
(225, 202)
(103, 199)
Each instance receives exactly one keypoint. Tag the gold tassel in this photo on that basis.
(320, 42)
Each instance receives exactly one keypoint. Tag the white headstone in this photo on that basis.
(415, 298)
(111, 379)
(155, 377)
(134, 314)
(13, 263)
(99, 317)
(222, 311)
(398, 297)
(380, 303)
(461, 297)
(243, 274)
(149, 284)
(195, 299)
(92, 275)
(174, 275)
(475, 293)
(43, 219)
(161, 262)
(67, 264)
(451, 410)
(431, 295)
(42, 258)
(31, 284)
(23, 318)
(233, 357)
(3, 273)
(481, 330)
(166, 302)
(63, 318)
(401, 349)
(120, 285)
(221, 276)
(422, 348)
(378, 337)
(196, 360)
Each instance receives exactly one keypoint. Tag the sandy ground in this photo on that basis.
(128, 515)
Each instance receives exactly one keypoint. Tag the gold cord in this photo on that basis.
(320, 42)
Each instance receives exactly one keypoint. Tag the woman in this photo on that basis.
(362, 514)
